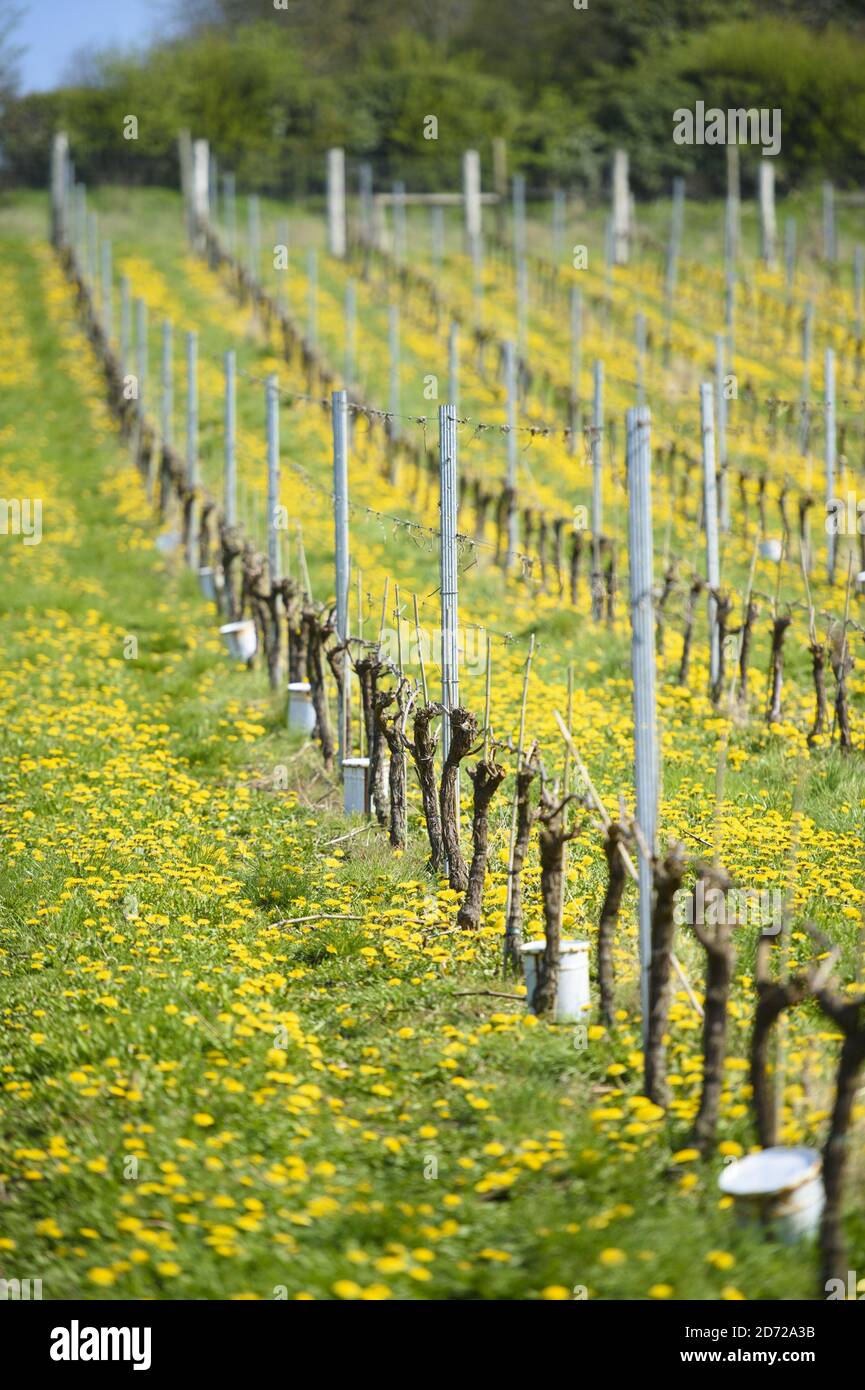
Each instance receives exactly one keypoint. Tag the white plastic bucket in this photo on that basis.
(167, 542)
(355, 786)
(301, 714)
(781, 1187)
(771, 549)
(572, 996)
(207, 582)
(240, 639)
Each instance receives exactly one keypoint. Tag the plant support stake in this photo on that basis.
(339, 403)
(640, 544)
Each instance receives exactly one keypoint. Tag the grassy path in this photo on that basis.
(197, 1103)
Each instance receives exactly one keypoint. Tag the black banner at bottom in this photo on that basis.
(83, 1339)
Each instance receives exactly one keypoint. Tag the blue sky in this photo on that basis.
(52, 31)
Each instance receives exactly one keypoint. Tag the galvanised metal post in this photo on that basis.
(213, 191)
(454, 365)
(350, 316)
(81, 228)
(191, 436)
(336, 230)
(167, 385)
(141, 353)
(393, 362)
(559, 216)
(721, 428)
(59, 165)
(448, 565)
(437, 230)
(366, 206)
(830, 446)
(125, 324)
(472, 204)
(789, 256)
(312, 307)
(576, 364)
(677, 215)
(272, 417)
(805, 419)
(597, 478)
(281, 248)
(350, 326)
(399, 222)
(710, 521)
(522, 305)
(339, 407)
(640, 327)
(511, 390)
(640, 545)
(230, 478)
(858, 282)
(830, 249)
(107, 293)
(229, 200)
(518, 194)
(254, 233)
(92, 251)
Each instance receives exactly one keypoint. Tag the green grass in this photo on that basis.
(365, 1122)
